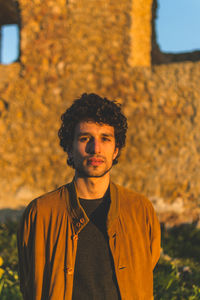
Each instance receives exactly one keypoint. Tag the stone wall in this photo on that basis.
(75, 46)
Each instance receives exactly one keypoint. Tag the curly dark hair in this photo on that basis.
(94, 108)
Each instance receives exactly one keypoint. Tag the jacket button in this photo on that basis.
(75, 237)
(69, 271)
(82, 220)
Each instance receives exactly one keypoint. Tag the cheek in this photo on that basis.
(113, 153)
(79, 150)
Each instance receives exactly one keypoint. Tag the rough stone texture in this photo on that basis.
(140, 33)
(77, 46)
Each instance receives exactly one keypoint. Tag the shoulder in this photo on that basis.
(129, 198)
(136, 206)
(51, 198)
(44, 204)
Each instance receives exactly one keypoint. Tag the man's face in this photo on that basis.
(93, 149)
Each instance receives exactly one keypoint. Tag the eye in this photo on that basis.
(105, 139)
(83, 139)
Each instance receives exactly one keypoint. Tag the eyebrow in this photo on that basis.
(108, 134)
(88, 133)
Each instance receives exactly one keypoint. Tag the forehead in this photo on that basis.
(92, 128)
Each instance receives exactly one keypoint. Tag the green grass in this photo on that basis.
(9, 280)
(176, 276)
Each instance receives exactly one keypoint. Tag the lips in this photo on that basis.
(95, 161)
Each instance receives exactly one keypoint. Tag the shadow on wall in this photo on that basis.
(7, 214)
(159, 58)
(10, 14)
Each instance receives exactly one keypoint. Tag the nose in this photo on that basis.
(93, 146)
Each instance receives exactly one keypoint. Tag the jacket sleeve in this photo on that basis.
(28, 247)
(155, 235)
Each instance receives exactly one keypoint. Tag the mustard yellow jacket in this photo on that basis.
(48, 236)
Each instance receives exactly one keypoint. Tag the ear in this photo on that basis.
(70, 155)
(70, 160)
(115, 153)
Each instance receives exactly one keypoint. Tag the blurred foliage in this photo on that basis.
(182, 241)
(176, 276)
(9, 280)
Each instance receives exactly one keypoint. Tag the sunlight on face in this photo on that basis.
(93, 149)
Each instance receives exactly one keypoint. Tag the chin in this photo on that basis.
(93, 173)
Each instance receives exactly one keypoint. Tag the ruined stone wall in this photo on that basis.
(163, 153)
(71, 47)
(67, 48)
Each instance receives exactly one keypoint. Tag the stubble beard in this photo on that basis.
(87, 173)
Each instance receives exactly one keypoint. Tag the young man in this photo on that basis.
(90, 239)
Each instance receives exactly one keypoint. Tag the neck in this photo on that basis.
(92, 187)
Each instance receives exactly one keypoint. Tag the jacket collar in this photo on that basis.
(77, 213)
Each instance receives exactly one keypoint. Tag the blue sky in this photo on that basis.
(177, 28)
(9, 42)
(178, 25)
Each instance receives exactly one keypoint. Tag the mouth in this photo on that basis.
(94, 161)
